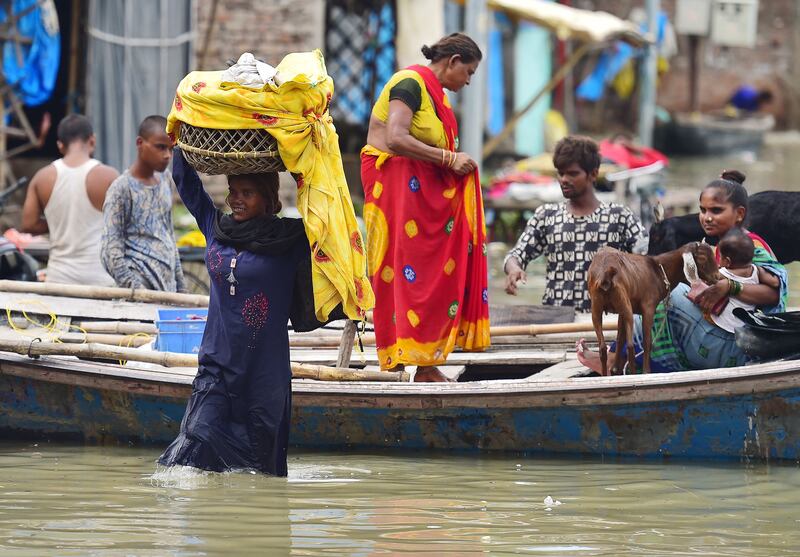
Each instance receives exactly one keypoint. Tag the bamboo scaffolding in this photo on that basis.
(36, 348)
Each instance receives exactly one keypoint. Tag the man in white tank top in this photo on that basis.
(65, 199)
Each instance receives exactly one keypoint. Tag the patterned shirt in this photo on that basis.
(138, 247)
(569, 244)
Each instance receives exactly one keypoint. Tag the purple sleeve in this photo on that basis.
(190, 188)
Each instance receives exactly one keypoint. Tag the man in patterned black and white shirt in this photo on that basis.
(568, 234)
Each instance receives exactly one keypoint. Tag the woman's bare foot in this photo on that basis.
(588, 358)
(430, 374)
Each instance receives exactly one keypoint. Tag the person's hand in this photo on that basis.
(463, 164)
(710, 297)
(514, 275)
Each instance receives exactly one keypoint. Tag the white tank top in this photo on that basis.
(76, 228)
(727, 320)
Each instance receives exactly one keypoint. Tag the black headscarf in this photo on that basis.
(272, 235)
(264, 235)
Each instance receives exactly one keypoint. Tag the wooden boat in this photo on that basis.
(709, 134)
(519, 397)
(746, 412)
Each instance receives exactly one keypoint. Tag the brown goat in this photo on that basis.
(626, 283)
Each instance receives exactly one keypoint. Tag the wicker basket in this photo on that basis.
(214, 151)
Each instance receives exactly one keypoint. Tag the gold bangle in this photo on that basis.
(442, 157)
(452, 159)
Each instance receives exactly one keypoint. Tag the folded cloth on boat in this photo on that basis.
(296, 114)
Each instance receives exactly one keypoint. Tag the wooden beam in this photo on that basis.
(346, 344)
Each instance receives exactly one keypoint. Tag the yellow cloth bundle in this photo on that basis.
(296, 114)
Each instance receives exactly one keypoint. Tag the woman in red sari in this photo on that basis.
(426, 239)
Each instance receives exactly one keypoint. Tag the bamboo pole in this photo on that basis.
(117, 332)
(104, 293)
(118, 327)
(171, 359)
(551, 328)
(503, 331)
(103, 338)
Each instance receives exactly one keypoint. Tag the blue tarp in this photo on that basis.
(611, 62)
(34, 79)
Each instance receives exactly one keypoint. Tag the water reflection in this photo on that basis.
(97, 500)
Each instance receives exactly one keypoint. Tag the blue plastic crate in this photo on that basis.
(181, 330)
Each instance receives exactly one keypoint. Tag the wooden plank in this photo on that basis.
(79, 307)
(570, 367)
(346, 344)
(601, 391)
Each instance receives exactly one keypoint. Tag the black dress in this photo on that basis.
(240, 408)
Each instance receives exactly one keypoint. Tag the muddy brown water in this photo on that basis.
(77, 501)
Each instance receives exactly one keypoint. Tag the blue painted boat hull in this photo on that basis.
(725, 414)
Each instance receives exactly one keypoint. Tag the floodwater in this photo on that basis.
(72, 500)
(68, 500)
(776, 168)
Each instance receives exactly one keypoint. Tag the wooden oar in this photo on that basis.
(104, 293)
(172, 359)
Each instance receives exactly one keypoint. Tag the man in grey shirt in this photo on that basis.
(138, 246)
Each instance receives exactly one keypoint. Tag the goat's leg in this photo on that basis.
(597, 322)
(647, 334)
(631, 349)
(617, 368)
(626, 328)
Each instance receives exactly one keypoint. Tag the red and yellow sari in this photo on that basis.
(426, 242)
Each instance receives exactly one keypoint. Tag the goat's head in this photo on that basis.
(662, 237)
(703, 255)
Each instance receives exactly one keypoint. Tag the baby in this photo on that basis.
(736, 264)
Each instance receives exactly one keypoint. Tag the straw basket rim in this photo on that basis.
(236, 155)
(230, 151)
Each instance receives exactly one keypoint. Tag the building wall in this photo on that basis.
(773, 63)
(270, 29)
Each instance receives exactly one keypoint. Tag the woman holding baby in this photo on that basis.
(696, 334)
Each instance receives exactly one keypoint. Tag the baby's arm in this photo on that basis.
(765, 277)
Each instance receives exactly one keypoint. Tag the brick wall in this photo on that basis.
(270, 29)
(771, 63)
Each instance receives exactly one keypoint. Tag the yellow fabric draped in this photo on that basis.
(296, 114)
